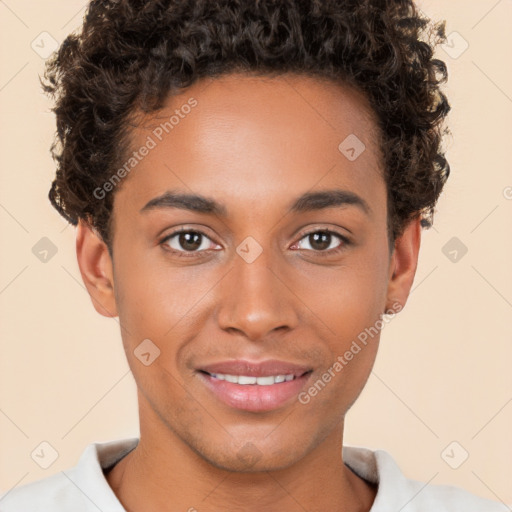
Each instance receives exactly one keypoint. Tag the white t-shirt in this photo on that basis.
(84, 487)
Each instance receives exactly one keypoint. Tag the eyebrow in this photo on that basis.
(310, 201)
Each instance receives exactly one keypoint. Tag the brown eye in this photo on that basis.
(189, 241)
(184, 241)
(320, 240)
(323, 241)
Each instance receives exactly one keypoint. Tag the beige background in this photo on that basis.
(443, 372)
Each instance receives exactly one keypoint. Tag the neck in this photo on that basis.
(163, 473)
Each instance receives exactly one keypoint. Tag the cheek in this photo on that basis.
(152, 297)
(347, 299)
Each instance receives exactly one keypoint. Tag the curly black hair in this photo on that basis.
(130, 55)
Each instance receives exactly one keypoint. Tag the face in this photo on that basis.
(248, 242)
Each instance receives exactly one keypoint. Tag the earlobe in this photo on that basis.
(403, 264)
(96, 269)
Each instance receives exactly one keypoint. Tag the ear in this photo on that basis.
(403, 264)
(96, 269)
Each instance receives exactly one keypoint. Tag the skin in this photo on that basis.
(254, 145)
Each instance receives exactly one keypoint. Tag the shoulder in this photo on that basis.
(82, 488)
(446, 498)
(396, 492)
(55, 493)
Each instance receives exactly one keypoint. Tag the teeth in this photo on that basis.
(243, 379)
(264, 381)
(246, 379)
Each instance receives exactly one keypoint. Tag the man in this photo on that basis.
(249, 181)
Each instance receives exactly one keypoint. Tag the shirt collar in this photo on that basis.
(377, 467)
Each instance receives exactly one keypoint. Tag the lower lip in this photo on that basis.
(252, 397)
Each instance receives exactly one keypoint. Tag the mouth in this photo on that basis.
(246, 380)
(255, 387)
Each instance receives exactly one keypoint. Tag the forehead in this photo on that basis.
(253, 139)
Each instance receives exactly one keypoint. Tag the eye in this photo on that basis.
(187, 241)
(324, 240)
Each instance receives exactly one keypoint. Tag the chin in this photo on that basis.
(249, 458)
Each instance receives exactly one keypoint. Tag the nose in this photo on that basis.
(256, 299)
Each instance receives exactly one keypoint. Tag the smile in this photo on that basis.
(247, 379)
(255, 394)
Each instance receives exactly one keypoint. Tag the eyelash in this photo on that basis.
(188, 254)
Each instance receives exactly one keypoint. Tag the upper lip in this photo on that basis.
(256, 369)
